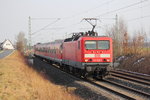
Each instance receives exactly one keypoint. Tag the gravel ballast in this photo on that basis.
(71, 83)
(131, 84)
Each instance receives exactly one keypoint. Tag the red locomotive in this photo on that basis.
(85, 54)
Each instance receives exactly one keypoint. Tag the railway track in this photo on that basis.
(138, 78)
(104, 85)
(114, 88)
(138, 93)
(109, 88)
(135, 73)
(120, 90)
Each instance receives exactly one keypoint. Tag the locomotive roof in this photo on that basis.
(75, 39)
(76, 36)
(53, 42)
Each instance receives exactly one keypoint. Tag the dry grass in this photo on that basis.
(20, 82)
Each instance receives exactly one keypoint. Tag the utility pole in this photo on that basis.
(116, 39)
(117, 36)
(29, 33)
(117, 27)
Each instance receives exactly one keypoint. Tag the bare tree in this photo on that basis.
(119, 35)
(134, 44)
(146, 43)
(138, 42)
(125, 44)
(21, 41)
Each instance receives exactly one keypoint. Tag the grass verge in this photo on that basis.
(20, 82)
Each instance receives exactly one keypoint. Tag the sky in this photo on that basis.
(62, 17)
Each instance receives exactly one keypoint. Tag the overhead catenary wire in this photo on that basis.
(75, 14)
(144, 6)
(109, 12)
(60, 28)
(68, 16)
(45, 26)
(54, 28)
(109, 1)
(134, 19)
(43, 18)
(128, 6)
(88, 10)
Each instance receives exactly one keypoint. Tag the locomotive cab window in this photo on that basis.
(97, 44)
(103, 45)
(90, 44)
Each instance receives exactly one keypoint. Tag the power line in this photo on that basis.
(86, 11)
(138, 18)
(54, 28)
(43, 18)
(45, 26)
(60, 28)
(72, 25)
(108, 18)
(72, 15)
(29, 29)
(144, 6)
(131, 5)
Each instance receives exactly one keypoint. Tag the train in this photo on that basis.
(85, 54)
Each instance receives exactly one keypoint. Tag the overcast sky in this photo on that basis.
(14, 16)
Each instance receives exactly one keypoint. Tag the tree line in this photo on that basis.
(124, 44)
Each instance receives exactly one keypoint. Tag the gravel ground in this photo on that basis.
(132, 85)
(72, 84)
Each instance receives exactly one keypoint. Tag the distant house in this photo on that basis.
(7, 44)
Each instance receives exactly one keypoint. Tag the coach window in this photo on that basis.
(78, 44)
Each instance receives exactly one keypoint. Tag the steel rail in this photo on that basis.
(132, 75)
(122, 95)
(128, 88)
(135, 73)
(130, 79)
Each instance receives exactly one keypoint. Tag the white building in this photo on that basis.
(7, 44)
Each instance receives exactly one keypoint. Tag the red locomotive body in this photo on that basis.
(86, 55)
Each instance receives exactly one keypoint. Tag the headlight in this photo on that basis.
(86, 60)
(108, 60)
